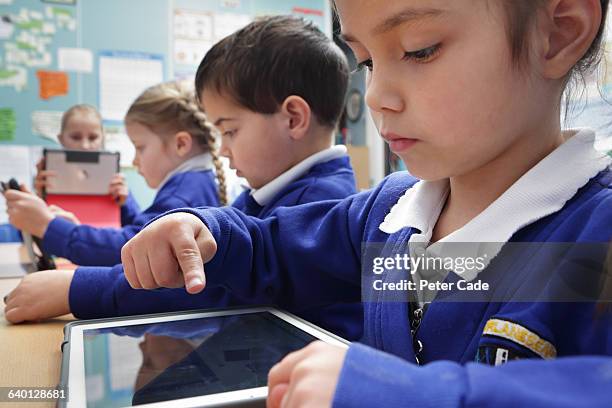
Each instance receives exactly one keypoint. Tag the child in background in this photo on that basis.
(468, 93)
(277, 128)
(81, 129)
(175, 153)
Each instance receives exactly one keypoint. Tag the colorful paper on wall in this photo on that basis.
(66, 2)
(193, 36)
(6, 29)
(47, 124)
(226, 23)
(15, 162)
(52, 83)
(123, 76)
(7, 124)
(75, 60)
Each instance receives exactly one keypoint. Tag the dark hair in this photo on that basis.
(520, 15)
(272, 58)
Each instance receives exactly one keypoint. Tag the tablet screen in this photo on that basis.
(149, 363)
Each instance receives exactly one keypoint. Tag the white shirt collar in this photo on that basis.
(542, 191)
(265, 194)
(200, 162)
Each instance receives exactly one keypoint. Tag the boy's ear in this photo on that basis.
(569, 31)
(183, 141)
(297, 113)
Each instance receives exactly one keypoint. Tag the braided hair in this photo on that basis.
(171, 107)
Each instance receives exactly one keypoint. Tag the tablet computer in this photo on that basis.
(80, 172)
(213, 358)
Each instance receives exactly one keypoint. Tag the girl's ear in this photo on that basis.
(183, 142)
(297, 114)
(569, 28)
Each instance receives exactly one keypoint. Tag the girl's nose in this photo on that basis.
(382, 95)
(224, 150)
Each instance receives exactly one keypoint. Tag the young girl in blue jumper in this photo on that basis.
(468, 94)
(277, 131)
(81, 129)
(175, 153)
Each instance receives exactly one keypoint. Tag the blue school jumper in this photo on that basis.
(104, 292)
(309, 255)
(87, 245)
(129, 210)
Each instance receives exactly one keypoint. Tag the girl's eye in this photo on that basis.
(423, 55)
(228, 133)
(420, 56)
(365, 64)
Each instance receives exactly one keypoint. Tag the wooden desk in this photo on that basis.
(30, 355)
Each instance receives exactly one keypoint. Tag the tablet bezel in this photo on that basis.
(73, 364)
(62, 154)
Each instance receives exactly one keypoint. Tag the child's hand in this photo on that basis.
(67, 215)
(28, 212)
(306, 378)
(170, 253)
(43, 177)
(118, 189)
(40, 295)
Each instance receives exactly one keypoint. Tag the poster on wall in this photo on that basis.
(193, 36)
(122, 77)
(195, 32)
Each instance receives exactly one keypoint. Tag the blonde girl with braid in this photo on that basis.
(175, 153)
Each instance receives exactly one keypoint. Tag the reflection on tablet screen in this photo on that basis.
(157, 362)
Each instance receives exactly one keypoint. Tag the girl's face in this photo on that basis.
(153, 159)
(441, 85)
(83, 131)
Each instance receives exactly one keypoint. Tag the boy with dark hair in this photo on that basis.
(275, 90)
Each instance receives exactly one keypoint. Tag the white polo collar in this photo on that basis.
(542, 191)
(265, 194)
(200, 162)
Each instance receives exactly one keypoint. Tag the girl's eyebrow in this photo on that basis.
(220, 121)
(406, 16)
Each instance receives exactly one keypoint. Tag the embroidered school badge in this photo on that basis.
(517, 334)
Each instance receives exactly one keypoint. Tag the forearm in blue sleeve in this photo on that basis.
(300, 257)
(86, 245)
(92, 292)
(370, 377)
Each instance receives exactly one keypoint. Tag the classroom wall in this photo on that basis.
(102, 26)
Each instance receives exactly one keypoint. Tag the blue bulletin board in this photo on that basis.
(30, 35)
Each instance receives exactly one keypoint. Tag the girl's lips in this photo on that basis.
(398, 143)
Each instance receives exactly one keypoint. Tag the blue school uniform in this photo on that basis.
(129, 210)
(192, 184)
(311, 254)
(325, 180)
